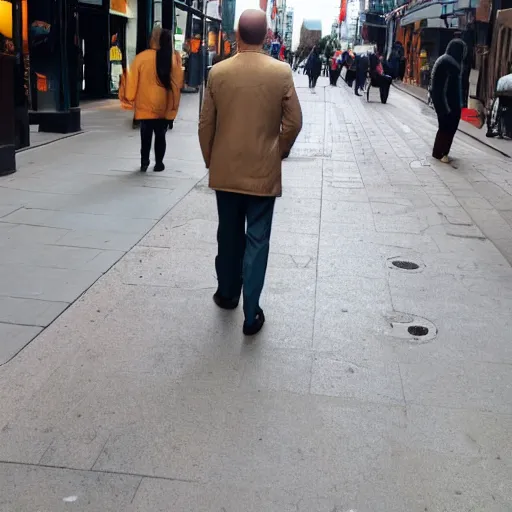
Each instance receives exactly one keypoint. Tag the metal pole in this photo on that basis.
(203, 56)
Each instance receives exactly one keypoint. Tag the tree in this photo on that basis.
(328, 45)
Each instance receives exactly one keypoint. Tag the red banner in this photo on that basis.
(273, 14)
(343, 11)
(263, 5)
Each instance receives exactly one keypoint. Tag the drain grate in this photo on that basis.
(417, 330)
(405, 265)
(412, 328)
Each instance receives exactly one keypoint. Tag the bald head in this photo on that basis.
(252, 27)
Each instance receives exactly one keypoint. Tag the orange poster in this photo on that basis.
(119, 6)
(483, 11)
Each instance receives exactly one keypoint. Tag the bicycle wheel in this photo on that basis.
(501, 122)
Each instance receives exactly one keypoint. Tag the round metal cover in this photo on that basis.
(405, 265)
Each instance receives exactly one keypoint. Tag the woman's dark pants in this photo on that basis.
(448, 125)
(242, 255)
(335, 75)
(147, 127)
(312, 81)
(331, 76)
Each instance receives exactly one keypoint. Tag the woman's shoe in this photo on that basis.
(159, 167)
(446, 159)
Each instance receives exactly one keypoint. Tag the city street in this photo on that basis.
(381, 382)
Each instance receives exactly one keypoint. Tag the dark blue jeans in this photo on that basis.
(243, 255)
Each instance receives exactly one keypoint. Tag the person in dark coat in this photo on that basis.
(378, 77)
(362, 65)
(314, 67)
(446, 94)
(348, 61)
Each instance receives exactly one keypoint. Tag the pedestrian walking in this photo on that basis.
(334, 71)
(314, 67)
(446, 94)
(249, 121)
(362, 66)
(154, 86)
(378, 77)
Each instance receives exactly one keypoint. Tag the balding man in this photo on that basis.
(250, 119)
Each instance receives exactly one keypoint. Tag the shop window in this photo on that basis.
(6, 28)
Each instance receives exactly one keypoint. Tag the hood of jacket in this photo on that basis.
(457, 50)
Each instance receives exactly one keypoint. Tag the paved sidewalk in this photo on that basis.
(144, 397)
(75, 207)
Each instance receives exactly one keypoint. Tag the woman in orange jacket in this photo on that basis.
(154, 86)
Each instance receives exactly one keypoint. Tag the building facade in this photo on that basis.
(425, 28)
(288, 28)
(310, 33)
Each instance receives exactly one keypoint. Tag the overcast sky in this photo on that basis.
(324, 10)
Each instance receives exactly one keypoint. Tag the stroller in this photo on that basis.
(499, 120)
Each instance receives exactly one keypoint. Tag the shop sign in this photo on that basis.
(427, 9)
(119, 6)
(483, 11)
(213, 9)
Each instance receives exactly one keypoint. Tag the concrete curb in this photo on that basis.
(46, 143)
(485, 141)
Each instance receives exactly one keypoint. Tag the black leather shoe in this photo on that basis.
(159, 167)
(224, 303)
(144, 168)
(255, 327)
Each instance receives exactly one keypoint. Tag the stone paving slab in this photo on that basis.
(147, 389)
(75, 207)
(29, 488)
(15, 338)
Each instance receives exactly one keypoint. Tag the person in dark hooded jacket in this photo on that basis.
(314, 67)
(446, 94)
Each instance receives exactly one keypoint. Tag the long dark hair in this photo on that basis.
(164, 59)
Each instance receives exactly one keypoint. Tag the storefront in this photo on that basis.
(197, 32)
(14, 48)
(108, 35)
(8, 56)
(426, 29)
(373, 29)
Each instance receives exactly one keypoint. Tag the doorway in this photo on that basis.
(117, 52)
(95, 45)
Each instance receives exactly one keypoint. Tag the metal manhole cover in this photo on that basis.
(411, 328)
(417, 330)
(405, 264)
